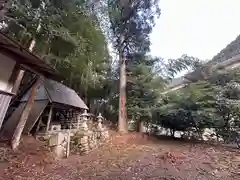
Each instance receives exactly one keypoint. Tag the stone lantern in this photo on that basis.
(102, 133)
(84, 118)
(84, 140)
(99, 120)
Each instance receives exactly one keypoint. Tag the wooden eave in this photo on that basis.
(25, 58)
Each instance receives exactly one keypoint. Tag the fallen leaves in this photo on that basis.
(126, 157)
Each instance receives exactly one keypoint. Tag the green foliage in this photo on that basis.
(131, 23)
(141, 87)
(185, 62)
(228, 110)
(68, 36)
(188, 108)
(210, 103)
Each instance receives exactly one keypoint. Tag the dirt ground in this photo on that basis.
(126, 157)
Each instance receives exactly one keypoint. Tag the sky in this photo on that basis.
(199, 28)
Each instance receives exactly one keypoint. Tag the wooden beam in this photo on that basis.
(18, 80)
(38, 125)
(49, 118)
(25, 113)
(21, 93)
(7, 93)
(13, 79)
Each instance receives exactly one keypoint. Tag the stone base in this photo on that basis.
(81, 142)
(58, 142)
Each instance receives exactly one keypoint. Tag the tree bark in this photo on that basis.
(25, 113)
(122, 119)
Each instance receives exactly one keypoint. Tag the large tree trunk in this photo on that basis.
(122, 118)
(25, 113)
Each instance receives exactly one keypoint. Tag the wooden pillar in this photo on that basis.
(18, 80)
(38, 125)
(49, 119)
(6, 99)
(68, 143)
(25, 113)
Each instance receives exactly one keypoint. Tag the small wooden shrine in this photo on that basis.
(56, 107)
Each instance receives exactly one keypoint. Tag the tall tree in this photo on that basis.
(131, 23)
(143, 84)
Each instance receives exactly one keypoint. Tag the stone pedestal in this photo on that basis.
(83, 142)
(99, 126)
(92, 140)
(99, 122)
(105, 135)
(59, 144)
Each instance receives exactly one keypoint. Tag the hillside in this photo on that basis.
(229, 51)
